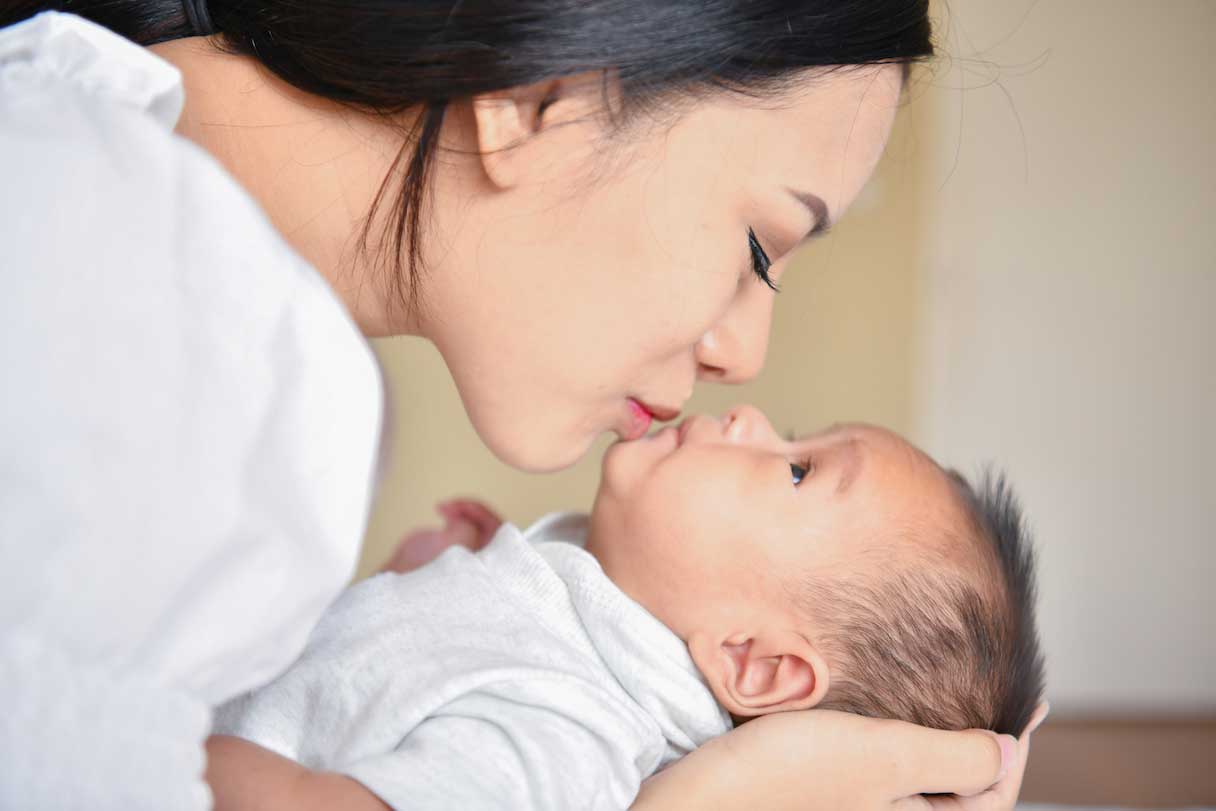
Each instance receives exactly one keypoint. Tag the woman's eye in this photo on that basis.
(760, 260)
(800, 472)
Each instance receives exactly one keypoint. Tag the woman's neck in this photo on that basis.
(313, 165)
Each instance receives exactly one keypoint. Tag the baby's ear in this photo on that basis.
(757, 674)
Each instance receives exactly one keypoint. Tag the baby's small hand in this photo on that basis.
(467, 523)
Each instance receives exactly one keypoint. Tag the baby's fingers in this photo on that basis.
(415, 550)
(475, 512)
(423, 545)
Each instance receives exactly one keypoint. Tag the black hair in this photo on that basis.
(938, 644)
(388, 56)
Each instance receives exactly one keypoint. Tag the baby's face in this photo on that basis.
(705, 524)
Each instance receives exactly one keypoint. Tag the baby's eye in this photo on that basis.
(802, 471)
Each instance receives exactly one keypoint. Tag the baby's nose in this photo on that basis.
(747, 424)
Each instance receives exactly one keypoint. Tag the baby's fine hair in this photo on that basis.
(950, 644)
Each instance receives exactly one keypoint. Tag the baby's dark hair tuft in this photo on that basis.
(948, 643)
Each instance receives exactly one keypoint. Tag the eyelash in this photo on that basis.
(760, 260)
(807, 467)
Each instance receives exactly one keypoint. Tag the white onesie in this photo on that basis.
(519, 677)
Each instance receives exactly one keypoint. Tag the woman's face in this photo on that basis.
(588, 284)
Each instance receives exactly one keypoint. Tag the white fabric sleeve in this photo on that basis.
(189, 422)
(119, 743)
(539, 745)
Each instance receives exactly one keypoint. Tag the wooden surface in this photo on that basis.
(1137, 763)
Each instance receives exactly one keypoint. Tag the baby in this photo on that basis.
(724, 573)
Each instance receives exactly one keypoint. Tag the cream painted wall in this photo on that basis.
(1070, 325)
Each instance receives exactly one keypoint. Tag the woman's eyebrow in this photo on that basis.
(818, 209)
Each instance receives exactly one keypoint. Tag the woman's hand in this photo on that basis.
(467, 523)
(825, 760)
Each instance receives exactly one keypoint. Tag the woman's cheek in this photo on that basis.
(700, 306)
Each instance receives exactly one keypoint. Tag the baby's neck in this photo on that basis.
(594, 544)
(605, 544)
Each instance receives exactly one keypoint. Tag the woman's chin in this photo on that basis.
(539, 451)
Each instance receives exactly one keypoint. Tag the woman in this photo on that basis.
(586, 206)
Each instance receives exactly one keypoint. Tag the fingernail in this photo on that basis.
(1009, 754)
(1042, 717)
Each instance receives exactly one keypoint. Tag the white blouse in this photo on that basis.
(189, 430)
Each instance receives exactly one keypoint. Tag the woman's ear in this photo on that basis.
(504, 120)
(756, 674)
(509, 119)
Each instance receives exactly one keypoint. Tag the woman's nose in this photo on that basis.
(733, 350)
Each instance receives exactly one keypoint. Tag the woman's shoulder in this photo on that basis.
(191, 418)
(127, 231)
(96, 178)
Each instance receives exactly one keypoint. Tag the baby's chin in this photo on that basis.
(627, 465)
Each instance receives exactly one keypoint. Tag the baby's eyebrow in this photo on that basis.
(851, 463)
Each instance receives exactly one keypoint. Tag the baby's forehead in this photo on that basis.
(897, 472)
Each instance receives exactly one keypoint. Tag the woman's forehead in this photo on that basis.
(824, 138)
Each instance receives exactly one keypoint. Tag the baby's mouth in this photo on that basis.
(687, 424)
(682, 431)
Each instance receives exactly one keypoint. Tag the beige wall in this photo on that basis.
(1031, 279)
(1070, 325)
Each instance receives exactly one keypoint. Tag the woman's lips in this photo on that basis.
(642, 416)
(660, 413)
(639, 421)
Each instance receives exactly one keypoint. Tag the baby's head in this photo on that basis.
(843, 570)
